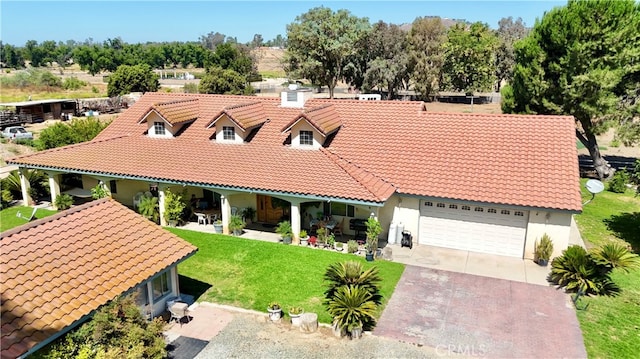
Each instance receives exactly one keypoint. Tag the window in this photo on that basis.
(518, 213)
(306, 138)
(229, 133)
(440, 205)
(428, 204)
(112, 187)
(479, 209)
(453, 206)
(466, 208)
(158, 128)
(505, 211)
(161, 286)
(491, 210)
(341, 209)
(141, 295)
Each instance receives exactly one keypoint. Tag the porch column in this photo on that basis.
(161, 198)
(295, 220)
(25, 186)
(225, 211)
(54, 187)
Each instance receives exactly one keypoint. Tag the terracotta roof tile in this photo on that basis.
(501, 159)
(244, 115)
(61, 287)
(323, 118)
(177, 112)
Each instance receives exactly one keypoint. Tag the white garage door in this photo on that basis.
(473, 228)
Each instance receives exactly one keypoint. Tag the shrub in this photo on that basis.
(174, 205)
(25, 142)
(352, 246)
(99, 191)
(73, 83)
(76, 131)
(618, 184)
(236, 223)
(373, 231)
(148, 208)
(117, 330)
(63, 201)
(5, 198)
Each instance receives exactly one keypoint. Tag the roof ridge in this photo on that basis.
(350, 168)
(176, 101)
(56, 216)
(236, 106)
(318, 108)
(74, 145)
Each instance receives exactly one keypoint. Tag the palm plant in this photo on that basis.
(615, 255)
(148, 208)
(352, 307)
(236, 224)
(577, 271)
(353, 295)
(63, 201)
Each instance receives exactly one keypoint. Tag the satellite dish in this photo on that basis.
(593, 186)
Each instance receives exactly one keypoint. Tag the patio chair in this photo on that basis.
(338, 228)
(202, 218)
(30, 218)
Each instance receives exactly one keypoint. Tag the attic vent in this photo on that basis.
(292, 96)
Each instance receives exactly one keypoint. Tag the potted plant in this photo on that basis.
(331, 241)
(373, 231)
(63, 201)
(295, 313)
(249, 213)
(217, 225)
(543, 250)
(313, 241)
(339, 246)
(285, 231)
(275, 311)
(304, 238)
(173, 207)
(236, 224)
(321, 237)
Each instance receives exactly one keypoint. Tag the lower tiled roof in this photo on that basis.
(57, 270)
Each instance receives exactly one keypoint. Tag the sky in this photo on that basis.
(163, 20)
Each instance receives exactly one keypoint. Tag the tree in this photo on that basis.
(390, 68)
(137, 78)
(582, 60)
(469, 63)
(426, 47)
(509, 32)
(217, 80)
(78, 130)
(10, 56)
(319, 43)
(257, 41)
(211, 40)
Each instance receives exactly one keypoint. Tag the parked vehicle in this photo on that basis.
(17, 132)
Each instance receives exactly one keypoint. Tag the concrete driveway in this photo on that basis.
(474, 316)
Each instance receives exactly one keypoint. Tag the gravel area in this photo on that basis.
(249, 336)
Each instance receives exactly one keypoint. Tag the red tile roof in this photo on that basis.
(57, 270)
(520, 160)
(323, 118)
(245, 115)
(176, 112)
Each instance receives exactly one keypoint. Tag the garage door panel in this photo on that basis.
(479, 231)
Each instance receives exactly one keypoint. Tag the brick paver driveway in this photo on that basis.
(475, 316)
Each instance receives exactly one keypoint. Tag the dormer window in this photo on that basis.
(158, 128)
(228, 133)
(306, 138)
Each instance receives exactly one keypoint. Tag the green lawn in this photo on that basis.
(611, 325)
(250, 273)
(8, 218)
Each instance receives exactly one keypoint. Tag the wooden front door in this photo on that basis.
(266, 213)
